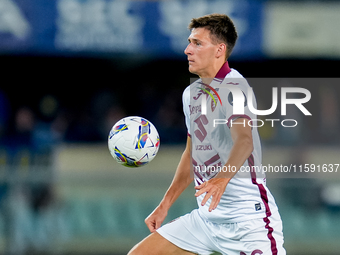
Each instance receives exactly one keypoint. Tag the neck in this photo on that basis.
(219, 72)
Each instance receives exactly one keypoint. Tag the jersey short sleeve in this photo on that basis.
(240, 86)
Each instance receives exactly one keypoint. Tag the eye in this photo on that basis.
(197, 43)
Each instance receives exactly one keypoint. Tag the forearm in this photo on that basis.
(239, 153)
(241, 150)
(181, 180)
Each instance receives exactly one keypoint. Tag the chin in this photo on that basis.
(192, 70)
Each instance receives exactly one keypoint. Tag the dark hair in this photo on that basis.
(221, 29)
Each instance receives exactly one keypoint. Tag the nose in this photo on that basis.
(188, 50)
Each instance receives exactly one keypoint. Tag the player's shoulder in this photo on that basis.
(235, 78)
(186, 96)
(234, 74)
(186, 92)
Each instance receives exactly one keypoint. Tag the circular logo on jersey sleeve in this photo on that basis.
(231, 99)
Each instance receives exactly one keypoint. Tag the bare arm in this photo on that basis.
(241, 150)
(180, 182)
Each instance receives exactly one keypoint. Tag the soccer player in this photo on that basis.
(236, 214)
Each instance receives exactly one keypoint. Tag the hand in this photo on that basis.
(214, 187)
(155, 219)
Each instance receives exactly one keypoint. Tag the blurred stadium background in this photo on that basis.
(71, 68)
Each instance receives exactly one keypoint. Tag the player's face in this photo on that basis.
(201, 52)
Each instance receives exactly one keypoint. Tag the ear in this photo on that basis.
(221, 50)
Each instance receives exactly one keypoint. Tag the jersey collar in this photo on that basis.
(224, 70)
(221, 74)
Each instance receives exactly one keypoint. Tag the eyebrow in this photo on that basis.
(194, 40)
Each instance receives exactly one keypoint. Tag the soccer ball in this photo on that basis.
(133, 141)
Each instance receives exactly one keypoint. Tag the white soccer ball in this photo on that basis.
(133, 141)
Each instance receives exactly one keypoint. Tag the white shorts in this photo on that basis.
(253, 237)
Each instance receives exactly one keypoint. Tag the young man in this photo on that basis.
(237, 214)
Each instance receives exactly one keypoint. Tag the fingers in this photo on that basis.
(206, 198)
(212, 191)
(151, 225)
(201, 189)
(158, 225)
(214, 202)
(215, 199)
(156, 218)
(201, 186)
